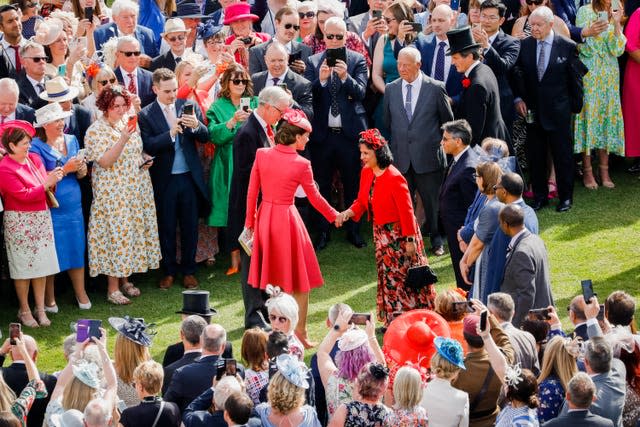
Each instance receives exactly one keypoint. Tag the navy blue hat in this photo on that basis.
(188, 9)
(133, 329)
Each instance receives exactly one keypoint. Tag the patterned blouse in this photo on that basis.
(255, 382)
(361, 414)
(551, 395)
(517, 417)
(416, 417)
(353, 43)
(35, 389)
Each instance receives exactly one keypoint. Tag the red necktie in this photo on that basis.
(3, 119)
(16, 49)
(270, 135)
(132, 84)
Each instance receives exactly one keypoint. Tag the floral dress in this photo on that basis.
(415, 417)
(35, 389)
(361, 414)
(551, 395)
(599, 125)
(123, 230)
(339, 390)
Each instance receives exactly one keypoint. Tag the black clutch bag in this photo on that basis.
(419, 277)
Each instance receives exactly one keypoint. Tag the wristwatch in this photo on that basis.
(410, 239)
(336, 327)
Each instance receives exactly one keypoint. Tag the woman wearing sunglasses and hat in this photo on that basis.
(238, 16)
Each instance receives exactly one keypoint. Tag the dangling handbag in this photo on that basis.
(52, 202)
(420, 276)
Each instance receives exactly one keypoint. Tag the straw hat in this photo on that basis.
(174, 25)
(50, 113)
(57, 90)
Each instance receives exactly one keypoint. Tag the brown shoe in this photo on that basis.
(166, 282)
(190, 281)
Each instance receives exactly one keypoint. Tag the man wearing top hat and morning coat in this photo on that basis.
(479, 102)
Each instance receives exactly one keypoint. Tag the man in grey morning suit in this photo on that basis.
(415, 107)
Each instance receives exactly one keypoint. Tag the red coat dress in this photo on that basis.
(283, 254)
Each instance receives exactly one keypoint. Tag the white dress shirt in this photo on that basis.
(447, 59)
(415, 91)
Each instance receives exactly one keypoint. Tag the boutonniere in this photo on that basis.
(466, 82)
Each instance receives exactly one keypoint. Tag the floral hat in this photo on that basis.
(293, 370)
(297, 118)
(134, 329)
(451, 350)
(352, 339)
(372, 137)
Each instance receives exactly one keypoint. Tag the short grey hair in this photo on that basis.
(29, 44)
(599, 355)
(337, 21)
(192, 327)
(287, 306)
(7, 84)
(412, 53)
(214, 337)
(97, 413)
(69, 343)
(501, 305)
(581, 390)
(127, 39)
(332, 7)
(225, 388)
(276, 45)
(445, 8)
(545, 13)
(120, 6)
(306, 5)
(273, 95)
(336, 309)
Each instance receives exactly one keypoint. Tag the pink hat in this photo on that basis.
(238, 12)
(471, 322)
(297, 118)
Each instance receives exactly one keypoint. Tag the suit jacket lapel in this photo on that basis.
(431, 53)
(553, 53)
(515, 246)
(421, 97)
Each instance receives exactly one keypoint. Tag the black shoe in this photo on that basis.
(635, 168)
(322, 241)
(564, 206)
(356, 240)
(539, 204)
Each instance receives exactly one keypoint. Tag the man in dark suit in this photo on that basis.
(287, 25)
(190, 332)
(500, 53)
(479, 102)
(581, 393)
(526, 269)
(339, 117)
(16, 377)
(458, 189)
(189, 381)
(12, 40)
(175, 35)
(549, 86)
(129, 74)
(10, 109)
(578, 318)
(181, 194)
(125, 22)
(415, 108)
(31, 79)
(277, 72)
(257, 132)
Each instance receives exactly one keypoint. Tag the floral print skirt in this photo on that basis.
(31, 249)
(393, 263)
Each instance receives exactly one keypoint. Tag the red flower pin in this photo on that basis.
(466, 82)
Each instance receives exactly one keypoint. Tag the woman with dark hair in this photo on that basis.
(277, 226)
(225, 118)
(384, 194)
(253, 350)
(123, 230)
(30, 17)
(522, 395)
(28, 230)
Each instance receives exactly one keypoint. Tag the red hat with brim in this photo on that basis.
(238, 12)
(410, 336)
(18, 124)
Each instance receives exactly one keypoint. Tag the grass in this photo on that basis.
(597, 239)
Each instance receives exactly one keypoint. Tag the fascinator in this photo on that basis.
(297, 118)
(207, 29)
(495, 154)
(352, 339)
(451, 350)
(293, 370)
(48, 31)
(134, 329)
(87, 372)
(378, 371)
(18, 124)
(573, 346)
(373, 138)
(513, 375)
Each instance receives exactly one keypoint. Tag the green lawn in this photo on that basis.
(597, 239)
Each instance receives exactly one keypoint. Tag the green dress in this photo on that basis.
(222, 165)
(599, 125)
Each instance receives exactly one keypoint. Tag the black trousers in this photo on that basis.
(255, 312)
(428, 186)
(179, 206)
(451, 231)
(559, 141)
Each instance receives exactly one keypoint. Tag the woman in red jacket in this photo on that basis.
(384, 195)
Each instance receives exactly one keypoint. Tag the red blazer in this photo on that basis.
(20, 189)
(391, 201)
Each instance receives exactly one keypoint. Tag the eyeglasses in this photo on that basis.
(36, 59)
(334, 36)
(181, 37)
(104, 82)
(281, 319)
(290, 26)
(214, 41)
(536, 2)
(128, 54)
(309, 15)
(388, 20)
(239, 81)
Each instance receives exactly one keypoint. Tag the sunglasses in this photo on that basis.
(128, 54)
(307, 15)
(334, 36)
(281, 319)
(181, 37)
(32, 4)
(290, 26)
(104, 82)
(37, 59)
(536, 2)
(239, 81)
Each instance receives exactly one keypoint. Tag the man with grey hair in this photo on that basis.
(32, 78)
(129, 73)
(190, 333)
(10, 108)
(97, 413)
(548, 89)
(125, 23)
(416, 135)
(502, 307)
(580, 395)
(256, 132)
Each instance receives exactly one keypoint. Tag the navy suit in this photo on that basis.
(174, 352)
(299, 87)
(28, 94)
(580, 418)
(179, 197)
(149, 45)
(256, 55)
(185, 360)
(24, 112)
(456, 195)
(197, 413)
(79, 122)
(143, 85)
(166, 60)
(567, 10)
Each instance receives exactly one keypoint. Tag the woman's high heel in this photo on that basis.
(41, 317)
(26, 318)
(588, 180)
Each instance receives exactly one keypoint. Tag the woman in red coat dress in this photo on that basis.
(384, 194)
(283, 254)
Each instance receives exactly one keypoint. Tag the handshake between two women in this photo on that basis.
(343, 217)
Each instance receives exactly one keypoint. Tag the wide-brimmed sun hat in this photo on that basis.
(50, 113)
(58, 90)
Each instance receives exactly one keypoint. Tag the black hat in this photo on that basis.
(196, 302)
(188, 9)
(461, 39)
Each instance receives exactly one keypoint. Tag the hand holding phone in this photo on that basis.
(15, 329)
(483, 320)
(587, 290)
(187, 109)
(360, 318)
(603, 16)
(245, 104)
(147, 162)
(132, 123)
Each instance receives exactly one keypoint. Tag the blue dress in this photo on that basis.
(390, 71)
(68, 223)
(551, 395)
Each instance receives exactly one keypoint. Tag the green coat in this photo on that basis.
(222, 166)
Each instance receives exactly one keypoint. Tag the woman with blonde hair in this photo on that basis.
(452, 306)
(558, 367)
(254, 355)
(98, 76)
(407, 394)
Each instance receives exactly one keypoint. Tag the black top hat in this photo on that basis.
(188, 9)
(196, 302)
(461, 39)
